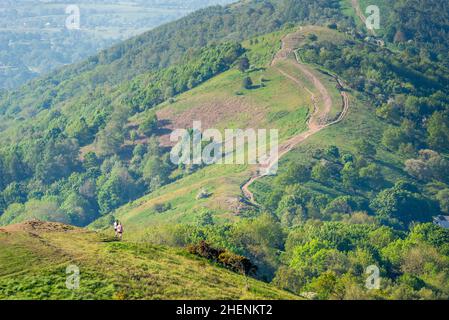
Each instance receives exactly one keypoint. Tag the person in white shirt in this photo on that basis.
(115, 227)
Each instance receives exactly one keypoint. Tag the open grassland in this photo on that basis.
(281, 103)
(34, 257)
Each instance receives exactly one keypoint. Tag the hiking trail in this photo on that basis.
(317, 121)
(359, 13)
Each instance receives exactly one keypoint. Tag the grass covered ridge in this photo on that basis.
(34, 257)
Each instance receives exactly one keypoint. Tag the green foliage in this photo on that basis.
(295, 173)
(117, 189)
(52, 126)
(443, 199)
(426, 28)
(402, 202)
(332, 258)
(227, 259)
(151, 89)
(244, 64)
(247, 83)
(46, 209)
(149, 125)
(321, 172)
(205, 219)
(438, 131)
(365, 148)
(161, 207)
(110, 139)
(349, 175)
(176, 274)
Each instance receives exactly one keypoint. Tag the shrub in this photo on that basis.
(161, 207)
(247, 83)
(224, 257)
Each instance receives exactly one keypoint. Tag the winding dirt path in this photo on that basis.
(359, 13)
(317, 121)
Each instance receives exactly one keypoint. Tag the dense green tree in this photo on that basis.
(14, 193)
(149, 125)
(78, 209)
(402, 202)
(321, 172)
(46, 209)
(116, 190)
(260, 239)
(365, 148)
(350, 176)
(58, 160)
(333, 151)
(79, 130)
(438, 131)
(443, 199)
(372, 175)
(205, 218)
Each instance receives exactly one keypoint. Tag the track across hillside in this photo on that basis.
(317, 121)
(358, 11)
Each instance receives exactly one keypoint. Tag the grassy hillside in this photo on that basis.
(48, 122)
(363, 133)
(280, 103)
(162, 47)
(274, 105)
(34, 257)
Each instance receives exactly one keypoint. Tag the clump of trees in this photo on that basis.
(151, 89)
(327, 259)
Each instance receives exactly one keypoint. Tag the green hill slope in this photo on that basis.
(34, 257)
(47, 123)
(281, 103)
(350, 194)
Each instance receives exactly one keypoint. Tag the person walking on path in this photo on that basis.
(120, 230)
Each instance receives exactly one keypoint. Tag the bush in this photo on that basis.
(224, 257)
(161, 207)
(247, 83)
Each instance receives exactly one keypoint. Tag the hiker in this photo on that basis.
(115, 227)
(120, 230)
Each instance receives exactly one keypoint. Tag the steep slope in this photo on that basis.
(420, 23)
(319, 119)
(162, 47)
(45, 124)
(281, 103)
(34, 257)
(180, 198)
(39, 41)
(347, 196)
